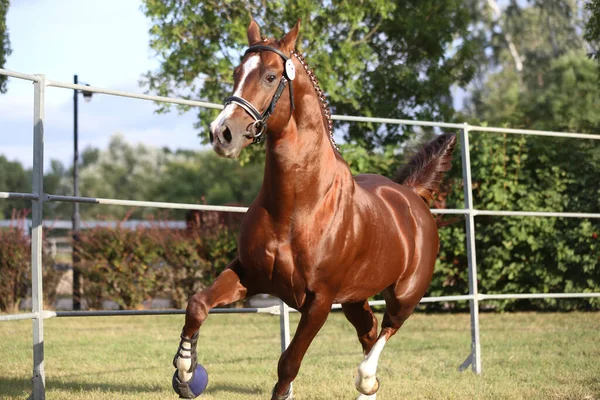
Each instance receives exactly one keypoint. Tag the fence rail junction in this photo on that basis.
(38, 198)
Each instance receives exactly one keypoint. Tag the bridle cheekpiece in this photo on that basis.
(259, 126)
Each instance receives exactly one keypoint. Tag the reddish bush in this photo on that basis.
(15, 266)
(130, 266)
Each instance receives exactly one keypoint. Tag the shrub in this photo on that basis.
(118, 264)
(15, 266)
(130, 266)
(525, 254)
(186, 271)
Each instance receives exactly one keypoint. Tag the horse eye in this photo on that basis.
(270, 78)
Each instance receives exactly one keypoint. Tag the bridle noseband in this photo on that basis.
(260, 119)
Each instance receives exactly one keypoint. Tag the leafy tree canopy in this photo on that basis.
(4, 41)
(376, 58)
(13, 178)
(592, 33)
(140, 172)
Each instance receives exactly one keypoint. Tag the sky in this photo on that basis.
(106, 43)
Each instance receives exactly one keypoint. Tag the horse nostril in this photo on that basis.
(211, 136)
(227, 135)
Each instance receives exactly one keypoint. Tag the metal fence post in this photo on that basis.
(284, 328)
(284, 325)
(475, 357)
(37, 297)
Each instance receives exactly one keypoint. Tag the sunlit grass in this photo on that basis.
(525, 356)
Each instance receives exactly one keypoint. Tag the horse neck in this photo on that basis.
(301, 163)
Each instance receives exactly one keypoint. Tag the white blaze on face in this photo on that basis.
(250, 65)
(366, 380)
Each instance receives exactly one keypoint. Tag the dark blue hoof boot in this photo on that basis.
(192, 388)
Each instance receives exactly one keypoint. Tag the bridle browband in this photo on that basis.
(260, 119)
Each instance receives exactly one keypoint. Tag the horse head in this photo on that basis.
(263, 93)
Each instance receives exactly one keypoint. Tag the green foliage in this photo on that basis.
(193, 259)
(557, 90)
(137, 172)
(15, 267)
(188, 271)
(13, 178)
(119, 264)
(592, 32)
(140, 172)
(132, 266)
(362, 161)
(525, 254)
(122, 171)
(397, 59)
(191, 176)
(4, 41)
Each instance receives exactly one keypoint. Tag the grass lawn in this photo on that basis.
(525, 356)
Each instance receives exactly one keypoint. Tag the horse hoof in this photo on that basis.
(365, 397)
(368, 392)
(192, 388)
(286, 396)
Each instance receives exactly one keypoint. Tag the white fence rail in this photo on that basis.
(38, 197)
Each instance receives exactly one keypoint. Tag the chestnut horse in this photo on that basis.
(316, 235)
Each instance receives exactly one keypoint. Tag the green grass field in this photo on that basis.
(525, 356)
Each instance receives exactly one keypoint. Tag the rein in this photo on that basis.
(260, 119)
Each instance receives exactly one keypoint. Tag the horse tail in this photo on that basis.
(425, 169)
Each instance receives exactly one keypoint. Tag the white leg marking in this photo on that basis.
(184, 364)
(250, 65)
(365, 397)
(366, 379)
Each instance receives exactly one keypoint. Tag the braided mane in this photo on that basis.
(324, 104)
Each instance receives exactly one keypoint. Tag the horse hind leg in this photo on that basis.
(401, 301)
(401, 298)
(366, 381)
(364, 321)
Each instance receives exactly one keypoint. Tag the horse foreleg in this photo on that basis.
(313, 317)
(227, 288)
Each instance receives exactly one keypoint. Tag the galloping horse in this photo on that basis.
(315, 234)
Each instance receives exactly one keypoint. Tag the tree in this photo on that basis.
(13, 178)
(377, 58)
(592, 33)
(4, 41)
(140, 172)
(58, 180)
(557, 89)
(193, 177)
(122, 171)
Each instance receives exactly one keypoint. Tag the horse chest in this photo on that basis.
(287, 260)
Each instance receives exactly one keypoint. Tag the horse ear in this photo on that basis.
(253, 32)
(289, 40)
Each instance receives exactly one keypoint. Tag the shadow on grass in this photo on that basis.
(232, 389)
(15, 387)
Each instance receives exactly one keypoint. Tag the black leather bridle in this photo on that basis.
(259, 127)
